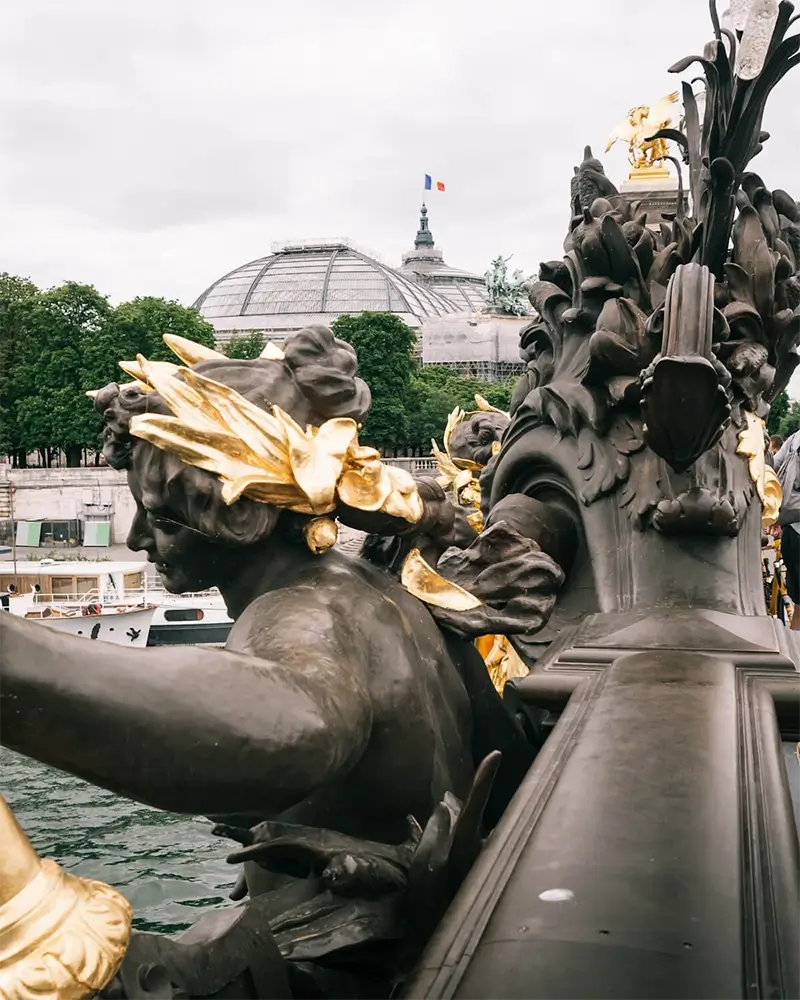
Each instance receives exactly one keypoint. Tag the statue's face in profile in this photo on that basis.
(186, 559)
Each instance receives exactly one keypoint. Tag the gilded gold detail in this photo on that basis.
(189, 352)
(321, 534)
(646, 155)
(61, 937)
(752, 446)
(501, 659)
(486, 407)
(425, 583)
(459, 476)
(267, 456)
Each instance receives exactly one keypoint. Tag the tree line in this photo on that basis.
(784, 416)
(56, 344)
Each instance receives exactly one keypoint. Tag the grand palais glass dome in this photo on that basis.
(301, 284)
(426, 264)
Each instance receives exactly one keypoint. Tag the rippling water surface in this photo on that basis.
(167, 866)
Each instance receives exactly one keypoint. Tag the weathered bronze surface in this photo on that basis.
(340, 708)
(650, 848)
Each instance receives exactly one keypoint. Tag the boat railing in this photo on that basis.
(158, 594)
(144, 596)
(92, 597)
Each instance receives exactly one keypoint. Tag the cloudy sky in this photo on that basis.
(149, 147)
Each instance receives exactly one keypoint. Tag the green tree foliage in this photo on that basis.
(777, 412)
(59, 343)
(51, 408)
(56, 344)
(410, 402)
(790, 422)
(385, 345)
(137, 327)
(245, 346)
(15, 296)
(436, 391)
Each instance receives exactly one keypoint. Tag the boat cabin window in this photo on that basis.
(134, 581)
(63, 586)
(85, 585)
(183, 614)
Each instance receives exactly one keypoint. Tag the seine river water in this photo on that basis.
(169, 867)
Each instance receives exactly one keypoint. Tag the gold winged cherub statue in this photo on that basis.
(642, 122)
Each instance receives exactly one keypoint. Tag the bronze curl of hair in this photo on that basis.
(315, 381)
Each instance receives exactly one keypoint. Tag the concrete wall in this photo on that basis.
(472, 337)
(70, 494)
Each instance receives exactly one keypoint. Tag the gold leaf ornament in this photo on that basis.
(189, 352)
(421, 580)
(486, 407)
(61, 937)
(268, 457)
(318, 458)
(453, 420)
(752, 446)
(321, 534)
(265, 455)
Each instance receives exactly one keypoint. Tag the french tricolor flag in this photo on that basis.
(429, 184)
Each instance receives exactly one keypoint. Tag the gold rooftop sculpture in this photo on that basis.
(647, 154)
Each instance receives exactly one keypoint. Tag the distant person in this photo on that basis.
(787, 466)
(775, 443)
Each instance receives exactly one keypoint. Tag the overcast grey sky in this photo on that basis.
(147, 147)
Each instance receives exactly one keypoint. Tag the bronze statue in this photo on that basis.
(470, 441)
(654, 840)
(339, 704)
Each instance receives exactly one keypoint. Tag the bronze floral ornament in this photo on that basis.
(653, 343)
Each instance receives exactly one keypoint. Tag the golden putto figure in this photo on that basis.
(642, 122)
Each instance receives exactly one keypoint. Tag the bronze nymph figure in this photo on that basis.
(340, 703)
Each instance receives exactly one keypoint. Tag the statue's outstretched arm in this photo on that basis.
(208, 732)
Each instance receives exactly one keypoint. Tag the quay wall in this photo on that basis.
(97, 492)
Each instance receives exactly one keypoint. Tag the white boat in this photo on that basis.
(94, 600)
(181, 619)
(112, 601)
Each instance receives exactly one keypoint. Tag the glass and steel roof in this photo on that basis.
(464, 290)
(317, 282)
(425, 264)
